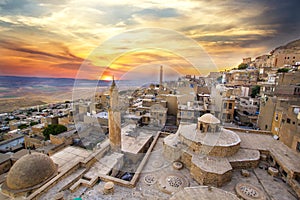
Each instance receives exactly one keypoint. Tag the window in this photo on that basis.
(284, 173)
(294, 123)
(298, 146)
(276, 117)
(288, 120)
(223, 116)
(201, 127)
(225, 105)
(228, 116)
(230, 105)
(266, 126)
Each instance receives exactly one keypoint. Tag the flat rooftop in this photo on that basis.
(261, 142)
(68, 156)
(134, 145)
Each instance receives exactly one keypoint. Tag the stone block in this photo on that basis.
(108, 188)
(263, 157)
(273, 171)
(245, 173)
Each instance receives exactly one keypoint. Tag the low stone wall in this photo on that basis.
(186, 158)
(296, 186)
(207, 178)
(223, 151)
(135, 178)
(244, 164)
(249, 130)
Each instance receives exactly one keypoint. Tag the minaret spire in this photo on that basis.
(161, 78)
(113, 82)
(114, 118)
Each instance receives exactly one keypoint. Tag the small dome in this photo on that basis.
(30, 170)
(209, 119)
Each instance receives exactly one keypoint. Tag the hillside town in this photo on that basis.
(116, 143)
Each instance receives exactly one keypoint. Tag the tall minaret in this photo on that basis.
(161, 78)
(114, 118)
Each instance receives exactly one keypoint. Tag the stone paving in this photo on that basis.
(158, 168)
(273, 188)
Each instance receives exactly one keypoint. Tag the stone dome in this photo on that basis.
(29, 171)
(209, 119)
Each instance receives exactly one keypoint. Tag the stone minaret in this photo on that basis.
(161, 78)
(114, 118)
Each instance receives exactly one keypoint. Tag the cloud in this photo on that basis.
(159, 13)
(61, 33)
(67, 55)
(22, 7)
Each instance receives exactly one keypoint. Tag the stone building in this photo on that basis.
(286, 125)
(264, 61)
(277, 107)
(208, 151)
(49, 120)
(266, 112)
(227, 110)
(247, 111)
(286, 55)
(247, 60)
(242, 77)
(192, 110)
(288, 84)
(224, 101)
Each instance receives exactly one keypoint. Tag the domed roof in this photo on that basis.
(30, 170)
(209, 119)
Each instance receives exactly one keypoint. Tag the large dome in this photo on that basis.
(209, 119)
(29, 171)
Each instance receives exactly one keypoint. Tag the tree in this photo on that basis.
(242, 66)
(53, 129)
(33, 123)
(22, 126)
(283, 70)
(255, 91)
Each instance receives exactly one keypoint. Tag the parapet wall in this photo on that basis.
(249, 130)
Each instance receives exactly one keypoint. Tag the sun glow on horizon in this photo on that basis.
(106, 78)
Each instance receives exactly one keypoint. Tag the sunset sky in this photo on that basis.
(51, 38)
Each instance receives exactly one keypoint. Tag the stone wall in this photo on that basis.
(186, 158)
(244, 164)
(171, 153)
(249, 130)
(5, 166)
(223, 151)
(207, 178)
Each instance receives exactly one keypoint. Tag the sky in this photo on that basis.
(58, 38)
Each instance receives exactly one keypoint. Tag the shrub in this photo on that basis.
(53, 129)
